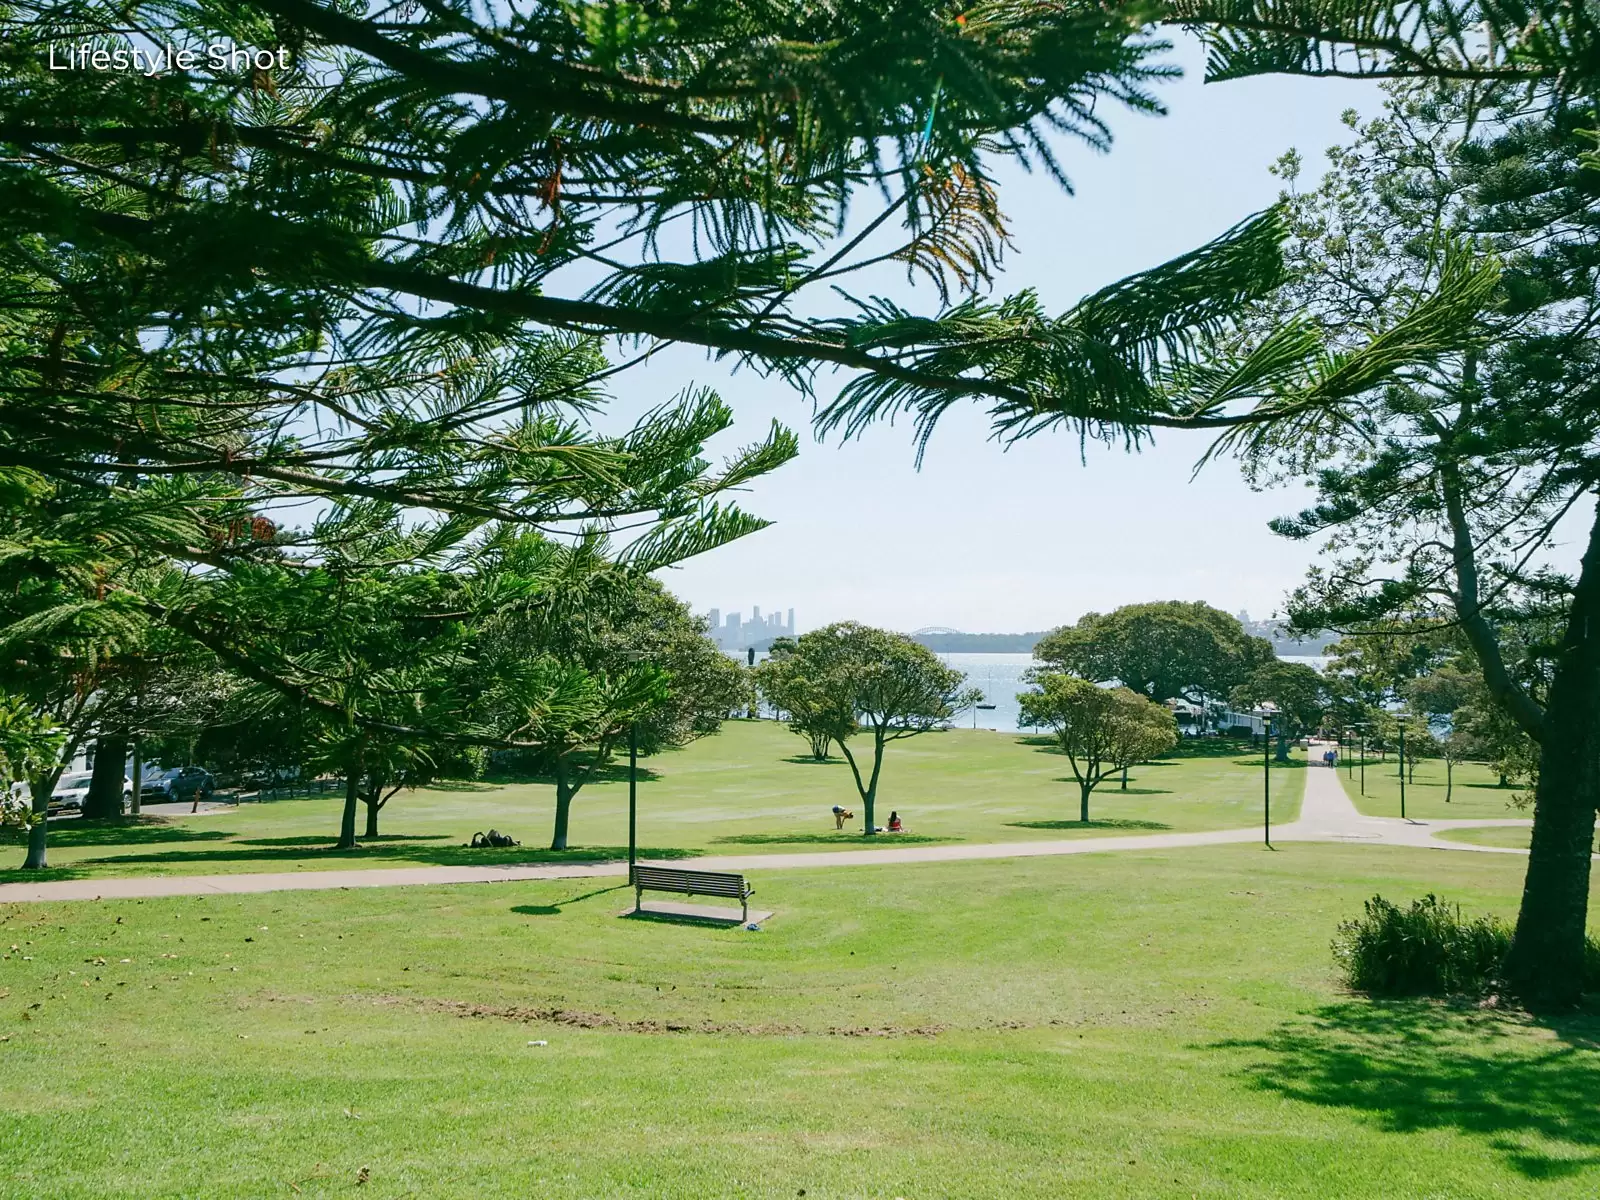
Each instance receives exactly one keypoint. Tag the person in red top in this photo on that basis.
(894, 822)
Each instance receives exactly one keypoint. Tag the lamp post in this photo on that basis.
(633, 797)
(1266, 776)
(1401, 722)
(1361, 732)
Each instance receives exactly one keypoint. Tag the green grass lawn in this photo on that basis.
(1517, 836)
(1122, 1025)
(1477, 791)
(750, 789)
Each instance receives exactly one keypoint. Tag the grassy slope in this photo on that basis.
(744, 791)
(1517, 836)
(1147, 1025)
(1477, 791)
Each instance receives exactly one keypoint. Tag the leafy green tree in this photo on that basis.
(794, 687)
(1298, 693)
(1168, 650)
(1441, 699)
(406, 183)
(370, 277)
(866, 681)
(1443, 503)
(1492, 144)
(29, 744)
(1101, 730)
(610, 655)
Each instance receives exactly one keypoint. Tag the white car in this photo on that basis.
(72, 789)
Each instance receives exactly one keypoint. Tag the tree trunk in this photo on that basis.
(1545, 967)
(347, 822)
(105, 785)
(38, 832)
(1124, 776)
(564, 794)
(869, 798)
(372, 815)
(1083, 800)
(1283, 746)
(1449, 779)
(819, 746)
(135, 801)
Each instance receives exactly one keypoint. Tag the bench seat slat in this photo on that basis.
(692, 883)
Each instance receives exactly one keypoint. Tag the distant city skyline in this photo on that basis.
(733, 632)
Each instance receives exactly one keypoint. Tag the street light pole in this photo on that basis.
(633, 797)
(1363, 752)
(1266, 781)
(1402, 723)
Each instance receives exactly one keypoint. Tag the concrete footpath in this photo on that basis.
(1326, 815)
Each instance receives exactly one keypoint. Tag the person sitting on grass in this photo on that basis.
(841, 815)
(894, 822)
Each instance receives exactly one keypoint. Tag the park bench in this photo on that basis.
(691, 883)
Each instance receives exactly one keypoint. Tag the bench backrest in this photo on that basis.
(696, 883)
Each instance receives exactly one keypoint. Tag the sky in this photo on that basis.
(988, 539)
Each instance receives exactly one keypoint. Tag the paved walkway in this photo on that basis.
(1326, 815)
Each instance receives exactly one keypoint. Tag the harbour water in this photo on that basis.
(999, 678)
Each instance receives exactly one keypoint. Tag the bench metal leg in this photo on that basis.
(638, 899)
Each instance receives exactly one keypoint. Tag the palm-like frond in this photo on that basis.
(1546, 42)
(1445, 320)
(1094, 367)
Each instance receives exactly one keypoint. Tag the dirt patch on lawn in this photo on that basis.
(580, 1019)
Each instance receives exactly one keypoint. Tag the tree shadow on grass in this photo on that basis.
(323, 840)
(615, 771)
(1411, 1066)
(48, 875)
(1294, 764)
(130, 832)
(409, 853)
(806, 760)
(1110, 787)
(839, 839)
(1106, 823)
(1205, 747)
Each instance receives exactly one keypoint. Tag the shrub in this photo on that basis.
(1428, 949)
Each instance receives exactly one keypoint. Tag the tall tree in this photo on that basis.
(1298, 694)
(1441, 494)
(876, 683)
(1101, 730)
(1167, 650)
(612, 655)
(796, 689)
(1519, 433)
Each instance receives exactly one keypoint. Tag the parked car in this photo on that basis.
(72, 789)
(177, 783)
